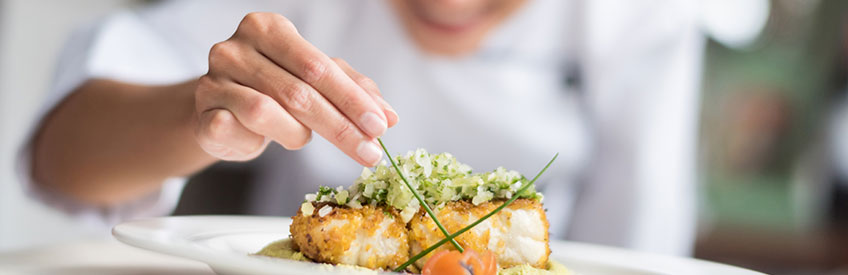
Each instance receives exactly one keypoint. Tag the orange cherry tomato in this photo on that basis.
(468, 263)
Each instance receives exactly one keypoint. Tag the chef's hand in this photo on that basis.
(267, 83)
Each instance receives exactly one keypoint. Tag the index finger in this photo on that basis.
(284, 46)
(371, 88)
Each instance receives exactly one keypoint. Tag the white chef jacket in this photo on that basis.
(610, 85)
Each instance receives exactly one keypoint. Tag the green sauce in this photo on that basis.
(554, 268)
(283, 249)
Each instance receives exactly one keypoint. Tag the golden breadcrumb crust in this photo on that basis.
(326, 239)
(456, 215)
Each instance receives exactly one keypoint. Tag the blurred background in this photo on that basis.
(774, 131)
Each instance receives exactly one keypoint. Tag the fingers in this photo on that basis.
(371, 88)
(309, 107)
(222, 136)
(268, 83)
(287, 49)
(257, 112)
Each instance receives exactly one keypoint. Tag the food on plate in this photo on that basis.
(379, 222)
(517, 235)
(445, 263)
(369, 236)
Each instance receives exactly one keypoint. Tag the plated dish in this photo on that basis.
(226, 243)
(384, 221)
(426, 213)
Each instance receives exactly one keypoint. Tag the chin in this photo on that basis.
(454, 39)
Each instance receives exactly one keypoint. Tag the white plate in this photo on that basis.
(225, 242)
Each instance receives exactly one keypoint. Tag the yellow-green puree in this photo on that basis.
(283, 249)
(554, 268)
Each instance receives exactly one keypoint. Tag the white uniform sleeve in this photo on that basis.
(642, 66)
(120, 47)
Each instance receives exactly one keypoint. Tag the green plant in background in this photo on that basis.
(763, 110)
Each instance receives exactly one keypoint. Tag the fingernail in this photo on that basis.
(372, 124)
(369, 152)
(391, 117)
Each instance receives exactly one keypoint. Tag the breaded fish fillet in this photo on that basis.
(371, 237)
(375, 237)
(518, 234)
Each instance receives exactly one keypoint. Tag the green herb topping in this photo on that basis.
(438, 178)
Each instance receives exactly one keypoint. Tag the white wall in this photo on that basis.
(31, 34)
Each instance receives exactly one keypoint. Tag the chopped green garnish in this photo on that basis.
(438, 178)
(420, 200)
(451, 237)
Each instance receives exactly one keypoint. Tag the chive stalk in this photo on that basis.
(418, 197)
(478, 221)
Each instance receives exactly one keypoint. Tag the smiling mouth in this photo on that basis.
(450, 28)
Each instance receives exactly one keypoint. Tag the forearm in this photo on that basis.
(111, 142)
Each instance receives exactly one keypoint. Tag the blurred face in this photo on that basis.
(452, 27)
